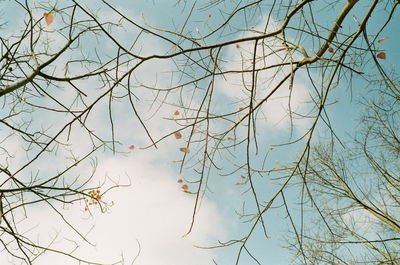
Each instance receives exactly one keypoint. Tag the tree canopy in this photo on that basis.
(252, 102)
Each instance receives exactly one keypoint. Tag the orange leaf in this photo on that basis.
(185, 187)
(49, 18)
(243, 177)
(381, 55)
(179, 180)
(237, 46)
(176, 113)
(178, 135)
(241, 108)
(184, 149)
(131, 147)
(383, 39)
(230, 139)
(238, 183)
(331, 50)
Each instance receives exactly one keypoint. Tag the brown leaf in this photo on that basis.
(184, 149)
(178, 135)
(176, 113)
(49, 18)
(185, 187)
(383, 39)
(194, 131)
(381, 55)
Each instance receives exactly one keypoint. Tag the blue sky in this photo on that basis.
(152, 213)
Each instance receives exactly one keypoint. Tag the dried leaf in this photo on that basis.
(184, 149)
(179, 180)
(241, 108)
(49, 18)
(243, 177)
(185, 187)
(237, 46)
(131, 147)
(238, 183)
(176, 113)
(230, 139)
(381, 55)
(383, 39)
(331, 50)
(178, 135)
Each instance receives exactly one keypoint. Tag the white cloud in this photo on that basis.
(275, 112)
(362, 221)
(153, 211)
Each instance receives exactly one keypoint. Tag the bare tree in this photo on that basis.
(224, 73)
(356, 193)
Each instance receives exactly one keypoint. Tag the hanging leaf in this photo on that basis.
(194, 131)
(243, 177)
(238, 183)
(131, 147)
(185, 187)
(178, 135)
(230, 139)
(241, 108)
(331, 50)
(49, 18)
(179, 180)
(184, 149)
(176, 113)
(383, 39)
(381, 55)
(237, 46)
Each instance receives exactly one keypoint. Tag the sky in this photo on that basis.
(146, 219)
